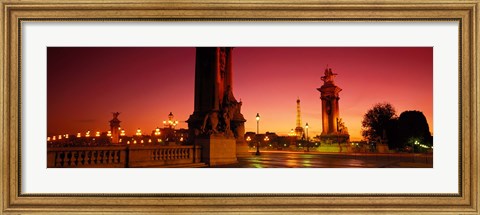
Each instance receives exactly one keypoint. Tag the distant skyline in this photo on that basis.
(86, 84)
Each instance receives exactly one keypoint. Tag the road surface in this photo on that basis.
(283, 159)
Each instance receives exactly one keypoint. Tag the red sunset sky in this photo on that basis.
(84, 85)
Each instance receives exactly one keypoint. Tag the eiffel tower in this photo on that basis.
(299, 129)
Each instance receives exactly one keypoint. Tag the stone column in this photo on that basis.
(331, 117)
(205, 69)
(329, 93)
(334, 116)
(336, 113)
(324, 117)
(229, 68)
(114, 128)
(216, 123)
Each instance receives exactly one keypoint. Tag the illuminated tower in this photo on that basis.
(115, 127)
(299, 128)
(333, 128)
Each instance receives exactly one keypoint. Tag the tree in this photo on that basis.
(393, 135)
(413, 127)
(378, 121)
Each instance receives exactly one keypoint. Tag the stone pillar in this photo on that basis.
(229, 69)
(324, 118)
(115, 134)
(329, 94)
(114, 128)
(216, 118)
(205, 77)
(335, 115)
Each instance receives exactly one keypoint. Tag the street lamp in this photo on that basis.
(248, 140)
(258, 142)
(413, 145)
(266, 139)
(306, 126)
(308, 143)
(413, 149)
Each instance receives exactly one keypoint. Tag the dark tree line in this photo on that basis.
(381, 122)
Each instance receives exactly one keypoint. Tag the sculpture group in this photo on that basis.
(220, 121)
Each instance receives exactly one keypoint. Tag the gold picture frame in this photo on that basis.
(14, 12)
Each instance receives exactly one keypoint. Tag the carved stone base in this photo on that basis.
(334, 138)
(382, 148)
(242, 149)
(218, 150)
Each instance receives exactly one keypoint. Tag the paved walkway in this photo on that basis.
(283, 159)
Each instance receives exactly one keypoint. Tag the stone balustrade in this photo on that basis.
(158, 156)
(122, 156)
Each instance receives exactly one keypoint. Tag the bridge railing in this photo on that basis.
(122, 156)
(157, 156)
